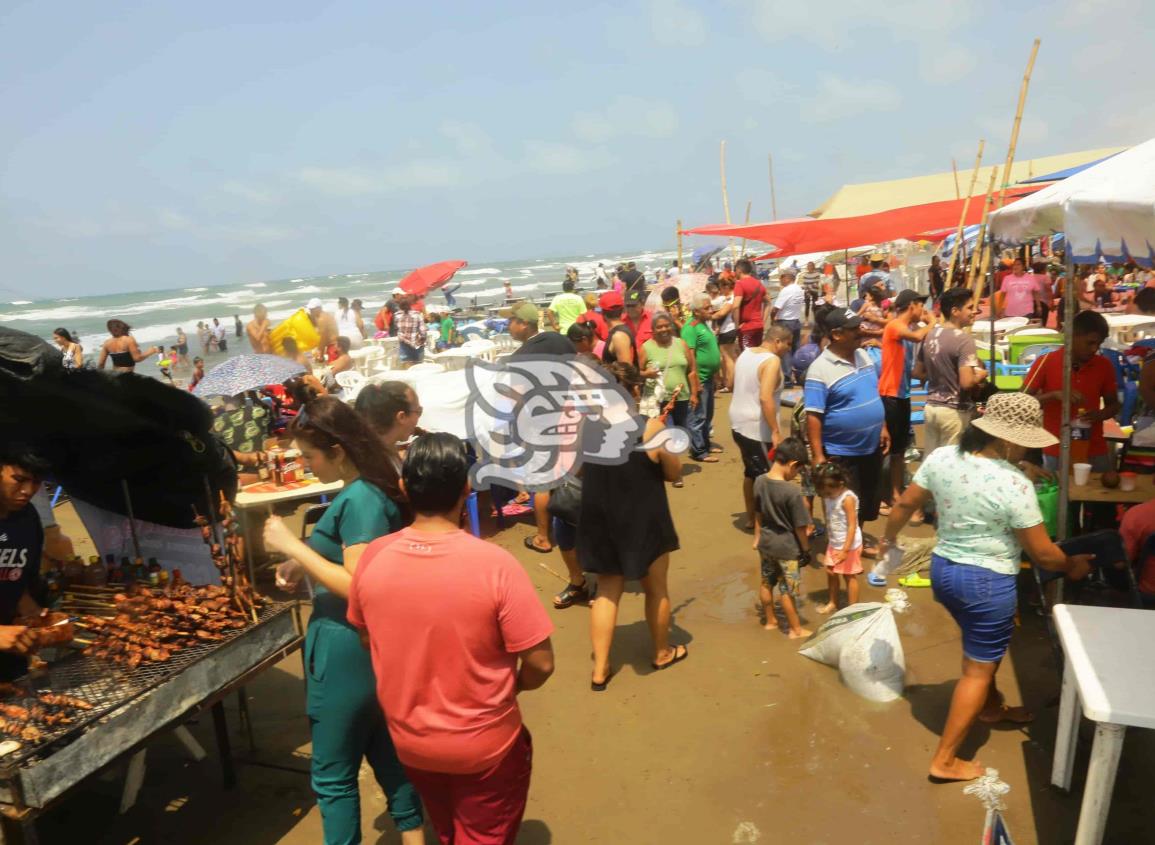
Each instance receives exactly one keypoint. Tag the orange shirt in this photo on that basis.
(446, 615)
(893, 360)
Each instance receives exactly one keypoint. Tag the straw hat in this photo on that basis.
(1016, 418)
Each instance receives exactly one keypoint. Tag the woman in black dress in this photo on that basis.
(626, 534)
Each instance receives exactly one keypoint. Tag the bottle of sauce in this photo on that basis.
(154, 571)
(1080, 438)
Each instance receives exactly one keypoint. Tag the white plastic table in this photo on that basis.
(1110, 669)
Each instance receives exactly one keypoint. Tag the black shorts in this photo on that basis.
(897, 423)
(754, 455)
(728, 337)
(864, 477)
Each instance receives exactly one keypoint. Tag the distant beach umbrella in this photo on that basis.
(430, 277)
(247, 372)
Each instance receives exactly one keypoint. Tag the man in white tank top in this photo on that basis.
(755, 405)
(347, 324)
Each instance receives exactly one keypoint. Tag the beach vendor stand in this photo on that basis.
(1107, 213)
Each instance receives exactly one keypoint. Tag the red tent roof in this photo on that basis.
(932, 221)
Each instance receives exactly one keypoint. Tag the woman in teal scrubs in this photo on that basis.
(344, 714)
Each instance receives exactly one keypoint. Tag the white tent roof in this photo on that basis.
(1106, 212)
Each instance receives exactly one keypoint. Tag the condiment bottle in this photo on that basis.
(1080, 438)
(153, 572)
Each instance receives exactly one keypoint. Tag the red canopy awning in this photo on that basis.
(931, 221)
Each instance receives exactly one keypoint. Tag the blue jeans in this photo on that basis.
(795, 327)
(981, 601)
(410, 354)
(700, 420)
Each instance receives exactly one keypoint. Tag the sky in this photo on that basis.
(162, 144)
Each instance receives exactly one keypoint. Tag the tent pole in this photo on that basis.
(725, 196)
(773, 196)
(1018, 122)
(679, 234)
(743, 249)
(958, 244)
(131, 518)
(957, 189)
(1065, 430)
(846, 270)
(973, 279)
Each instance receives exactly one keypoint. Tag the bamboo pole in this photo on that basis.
(773, 196)
(725, 195)
(957, 189)
(1026, 84)
(958, 245)
(972, 278)
(679, 234)
(743, 249)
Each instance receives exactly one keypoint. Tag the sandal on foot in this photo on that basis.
(1014, 715)
(533, 547)
(679, 483)
(678, 657)
(571, 595)
(914, 580)
(595, 686)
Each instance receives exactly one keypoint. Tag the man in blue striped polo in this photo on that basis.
(845, 418)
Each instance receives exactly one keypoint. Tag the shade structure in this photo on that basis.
(806, 234)
(1106, 212)
(430, 277)
(873, 197)
(1065, 173)
(247, 372)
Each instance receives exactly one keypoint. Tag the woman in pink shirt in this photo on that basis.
(1020, 290)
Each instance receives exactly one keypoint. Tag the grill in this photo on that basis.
(107, 685)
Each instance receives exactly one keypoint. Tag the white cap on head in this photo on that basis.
(314, 303)
(398, 291)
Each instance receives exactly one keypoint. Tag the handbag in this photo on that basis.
(565, 502)
(654, 396)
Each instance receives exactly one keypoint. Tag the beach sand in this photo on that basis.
(746, 741)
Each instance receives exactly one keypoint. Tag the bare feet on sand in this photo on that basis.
(956, 770)
(829, 607)
(801, 633)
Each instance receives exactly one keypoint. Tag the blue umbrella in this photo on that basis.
(703, 252)
(247, 372)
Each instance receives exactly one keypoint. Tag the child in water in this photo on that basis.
(844, 536)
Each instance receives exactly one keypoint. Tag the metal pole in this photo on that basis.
(131, 518)
(1065, 430)
(773, 195)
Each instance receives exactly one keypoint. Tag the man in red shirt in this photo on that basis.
(750, 304)
(898, 339)
(592, 315)
(638, 319)
(456, 631)
(1094, 394)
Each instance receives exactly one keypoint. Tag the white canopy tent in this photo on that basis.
(1106, 213)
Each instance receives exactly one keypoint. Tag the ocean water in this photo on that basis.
(155, 315)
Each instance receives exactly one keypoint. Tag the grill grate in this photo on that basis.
(106, 685)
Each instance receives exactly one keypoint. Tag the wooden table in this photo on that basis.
(1110, 670)
(1094, 491)
(248, 501)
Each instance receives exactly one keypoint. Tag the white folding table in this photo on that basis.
(1110, 670)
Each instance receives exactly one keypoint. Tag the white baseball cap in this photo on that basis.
(314, 303)
(398, 291)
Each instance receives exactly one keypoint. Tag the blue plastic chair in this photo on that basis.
(474, 516)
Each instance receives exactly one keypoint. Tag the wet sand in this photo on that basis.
(746, 741)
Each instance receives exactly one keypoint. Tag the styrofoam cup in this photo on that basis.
(1127, 481)
(1082, 473)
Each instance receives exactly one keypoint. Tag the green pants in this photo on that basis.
(348, 725)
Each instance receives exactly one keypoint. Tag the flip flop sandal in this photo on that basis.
(914, 580)
(677, 658)
(706, 460)
(1025, 717)
(595, 686)
(679, 483)
(529, 544)
(571, 595)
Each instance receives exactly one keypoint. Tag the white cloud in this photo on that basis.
(355, 181)
(627, 116)
(944, 63)
(675, 24)
(563, 159)
(837, 98)
(248, 192)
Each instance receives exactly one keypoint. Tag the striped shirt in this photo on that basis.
(846, 394)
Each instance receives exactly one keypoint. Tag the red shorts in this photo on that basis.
(483, 808)
(749, 338)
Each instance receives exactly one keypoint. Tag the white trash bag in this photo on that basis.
(862, 641)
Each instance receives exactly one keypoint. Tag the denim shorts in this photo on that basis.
(982, 602)
(564, 534)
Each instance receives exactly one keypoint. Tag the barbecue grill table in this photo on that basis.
(152, 698)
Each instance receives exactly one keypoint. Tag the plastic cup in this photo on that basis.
(1127, 481)
(1082, 473)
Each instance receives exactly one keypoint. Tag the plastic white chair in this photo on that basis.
(350, 380)
(371, 358)
(426, 367)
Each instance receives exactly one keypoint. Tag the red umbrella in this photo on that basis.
(430, 277)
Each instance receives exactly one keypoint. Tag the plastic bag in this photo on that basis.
(862, 641)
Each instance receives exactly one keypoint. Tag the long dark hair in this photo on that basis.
(64, 333)
(379, 405)
(118, 328)
(326, 422)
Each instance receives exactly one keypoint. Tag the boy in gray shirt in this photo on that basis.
(781, 535)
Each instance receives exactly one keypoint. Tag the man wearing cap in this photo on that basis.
(638, 319)
(845, 419)
(633, 279)
(325, 322)
(879, 274)
(524, 319)
(898, 349)
(949, 364)
(749, 304)
(620, 345)
(411, 332)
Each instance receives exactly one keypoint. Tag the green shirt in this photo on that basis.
(672, 361)
(360, 513)
(447, 329)
(568, 307)
(707, 356)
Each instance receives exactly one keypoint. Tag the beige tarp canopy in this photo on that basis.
(873, 197)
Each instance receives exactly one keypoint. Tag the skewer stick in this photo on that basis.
(553, 572)
(958, 244)
(1018, 122)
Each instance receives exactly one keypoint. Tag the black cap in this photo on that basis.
(841, 319)
(906, 297)
(636, 297)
